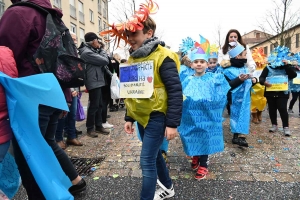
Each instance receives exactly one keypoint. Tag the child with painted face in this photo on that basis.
(201, 129)
(240, 81)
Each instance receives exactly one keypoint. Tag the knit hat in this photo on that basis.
(90, 36)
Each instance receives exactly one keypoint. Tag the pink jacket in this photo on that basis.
(9, 67)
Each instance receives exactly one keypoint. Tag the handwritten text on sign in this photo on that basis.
(136, 80)
(279, 83)
(297, 79)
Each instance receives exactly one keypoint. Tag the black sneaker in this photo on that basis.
(79, 187)
(241, 141)
(78, 132)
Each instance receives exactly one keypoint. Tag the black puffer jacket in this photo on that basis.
(290, 71)
(169, 76)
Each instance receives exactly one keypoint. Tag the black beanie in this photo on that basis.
(90, 36)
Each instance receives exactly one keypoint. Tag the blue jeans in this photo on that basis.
(3, 150)
(152, 162)
(67, 123)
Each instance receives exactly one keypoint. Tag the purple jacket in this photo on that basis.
(22, 29)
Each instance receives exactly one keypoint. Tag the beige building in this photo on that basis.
(291, 40)
(80, 16)
(255, 37)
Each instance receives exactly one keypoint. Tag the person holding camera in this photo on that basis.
(93, 53)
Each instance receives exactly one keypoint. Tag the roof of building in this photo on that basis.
(271, 38)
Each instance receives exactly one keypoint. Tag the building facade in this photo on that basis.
(255, 37)
(80, 16)
(291, 40)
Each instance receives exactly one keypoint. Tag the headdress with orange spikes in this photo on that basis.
(259, 57)
(133, 24)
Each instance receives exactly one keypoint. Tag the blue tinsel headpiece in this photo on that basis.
(186, 45)
(277, 55)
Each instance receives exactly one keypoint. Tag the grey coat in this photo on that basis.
(96, 60)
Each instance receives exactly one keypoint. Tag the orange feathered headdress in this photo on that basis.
(133, 24)
(259, 57)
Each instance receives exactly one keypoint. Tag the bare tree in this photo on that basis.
(279, 20)
(218, 38)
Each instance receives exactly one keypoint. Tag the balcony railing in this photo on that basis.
(73, 11)
(81, 17)
(2, 6)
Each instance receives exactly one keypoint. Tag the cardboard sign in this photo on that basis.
(136, 80)
(297, 79)
(279, 83)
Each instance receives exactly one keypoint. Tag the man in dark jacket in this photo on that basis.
(96, 60)
(22, 29)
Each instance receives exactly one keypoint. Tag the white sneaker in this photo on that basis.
(163, 192)
(290, 111)
(286, 131)
(107, 125)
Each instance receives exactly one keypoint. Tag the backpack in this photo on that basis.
(57, 52)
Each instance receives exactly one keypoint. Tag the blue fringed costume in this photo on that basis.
(201, 129)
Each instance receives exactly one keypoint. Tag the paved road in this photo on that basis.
(268, 169)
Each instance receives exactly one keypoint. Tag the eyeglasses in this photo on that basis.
(233, 37)
(212, 63)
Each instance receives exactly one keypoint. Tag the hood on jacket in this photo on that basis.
(43, 3)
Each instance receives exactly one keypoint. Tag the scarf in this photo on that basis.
(147, 48)
(238, 62)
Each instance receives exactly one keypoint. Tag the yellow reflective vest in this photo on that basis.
(140, 109)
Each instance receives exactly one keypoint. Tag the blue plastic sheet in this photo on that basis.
(23, 98)
(201, 128)
(241, 101)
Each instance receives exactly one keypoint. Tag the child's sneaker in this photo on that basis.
(286, 131)
(273, 129)
(163, 192)
(201, 173)
(195, 162)
(290, 111)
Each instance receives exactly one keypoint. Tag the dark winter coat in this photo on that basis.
(22, 29)
(96, 60)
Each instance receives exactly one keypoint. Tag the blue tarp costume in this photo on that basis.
(201, 129)
(185, 72)
(23, 98)
(241, 101)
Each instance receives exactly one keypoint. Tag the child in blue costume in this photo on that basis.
(277, 100)
(185, 67)
(295, 88)
(238, 77)
(201, 129)
(213, 65)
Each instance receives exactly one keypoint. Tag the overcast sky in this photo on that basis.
(177, 19)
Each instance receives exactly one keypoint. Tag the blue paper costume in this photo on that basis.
(201, 129)
(241, 101)
(23, 97)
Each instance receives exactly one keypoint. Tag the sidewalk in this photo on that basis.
(270, 164)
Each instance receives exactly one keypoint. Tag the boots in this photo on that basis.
(259, 115)
(241, 141)
(254, 118)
